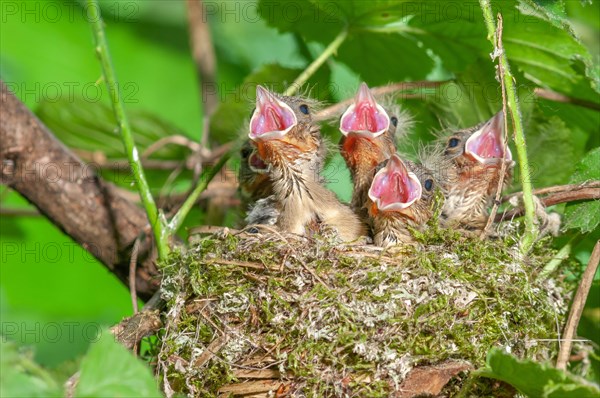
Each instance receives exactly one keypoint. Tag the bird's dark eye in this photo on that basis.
(428, 184)
(453, 142)
(304, 109)
(394, 120)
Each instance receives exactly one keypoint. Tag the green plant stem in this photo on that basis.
(562, 255)
(316, 64)
(154, 218)
(185, 208)
(513, 105)
(34, 369)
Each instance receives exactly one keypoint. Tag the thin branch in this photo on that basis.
(125, 129)
(91, 211)
(554, 199)
(206, 62)
(316, 64)
(555, 189)
(132, 267)
(508, 80)
(100, 160)
(145, 323)
(577, 308)
(8, 212)
(171, 139)
(337, 109)
(503, 165)
(558, 97)
(179, 217)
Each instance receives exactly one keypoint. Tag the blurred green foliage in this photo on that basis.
(52, 293)
(535, 379)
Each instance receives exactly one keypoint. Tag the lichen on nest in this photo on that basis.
(311, 317)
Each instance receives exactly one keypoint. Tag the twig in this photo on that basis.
(211, 350)
(554, 199)
(316, 64)
(98, 159)
(131, 330)
(132, 268)
(555, 189)
(577, 308)
(103, 54)
(314, 275)
(557, 97)
(507, 78)
(107, 229)
(19, 212)
(243, 264)
(185, 208)
(171, 139)
(502, 173)
(206, 61)
(337, 109)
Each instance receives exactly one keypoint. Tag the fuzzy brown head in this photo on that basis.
(403, 191)
(476, 156)
(254, 182)
(282, 130)
(482, 145)
(368, 133)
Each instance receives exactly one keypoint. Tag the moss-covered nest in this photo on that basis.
(266, 314)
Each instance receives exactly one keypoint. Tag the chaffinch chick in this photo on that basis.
(476, 155)
(368, 138)
(290, 145)
(401, 197)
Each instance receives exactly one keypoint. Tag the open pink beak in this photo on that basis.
(394, 187)
(487, 144)
(365, 116)
(272, 118)
(256, 163)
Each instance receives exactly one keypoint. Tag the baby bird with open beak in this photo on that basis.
(401, 197)
(368, 138)
(290, 145)
(476, 155)
(254, 182)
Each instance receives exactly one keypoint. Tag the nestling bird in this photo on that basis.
(476, 155)
(291, 147)
(401, 197)
(368, 138)
(253, 177)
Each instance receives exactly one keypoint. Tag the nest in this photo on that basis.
(277, 315)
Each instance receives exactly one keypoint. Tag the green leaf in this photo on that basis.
(551, 10)
(370, 55)
(535, 379)
(547, 54)
(582, 122)
(458, 42)
(585, 215)
(473, 97)
(374, 48)
(110, 370)
(551, 136)
(91, 126)
(21, 377)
